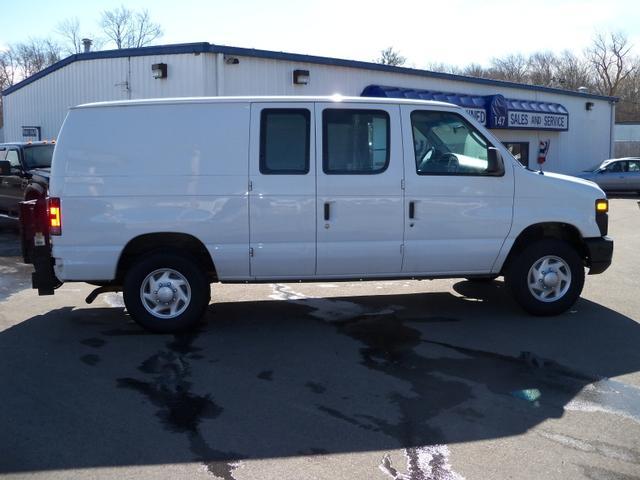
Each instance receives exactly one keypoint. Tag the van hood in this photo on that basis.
(559, 186)
(568, 178)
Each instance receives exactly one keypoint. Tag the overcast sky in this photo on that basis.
(452, 31)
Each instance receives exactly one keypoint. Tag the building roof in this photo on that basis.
(204, 47)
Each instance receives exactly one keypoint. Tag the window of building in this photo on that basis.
(355, 141)
(520, 151)
(284, 141)
(446, 144)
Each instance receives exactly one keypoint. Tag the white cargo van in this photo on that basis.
(160, 198)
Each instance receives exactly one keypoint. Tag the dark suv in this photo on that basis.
(24, 174)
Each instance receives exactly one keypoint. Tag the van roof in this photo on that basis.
(264, 99)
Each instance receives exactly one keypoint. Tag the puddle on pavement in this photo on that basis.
(166, 385)
(444, 375)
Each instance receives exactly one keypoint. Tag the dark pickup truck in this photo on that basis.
(24, 174)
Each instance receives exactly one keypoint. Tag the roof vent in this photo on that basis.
(86, 42)
(583, 90)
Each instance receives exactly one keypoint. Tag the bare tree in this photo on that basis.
(23, 60)
(444, 68)
(129, 29)
(542, 69)
(610, 57)
(72, 37)
(573, 72)
(476, 70)
(628, 108)
(8, 68)
(116, 25)
(389, 56)
(34, 55)
(144, 30)
(513, 68)
(69, 30)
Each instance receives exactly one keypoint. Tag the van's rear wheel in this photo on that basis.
(547, 277)
(166, 293)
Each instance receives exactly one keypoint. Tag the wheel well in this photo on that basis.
(32, 194)
(165, 241)
(539, 231)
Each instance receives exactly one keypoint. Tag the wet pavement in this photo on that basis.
(437, 380)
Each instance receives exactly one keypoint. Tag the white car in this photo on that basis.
(160, 198)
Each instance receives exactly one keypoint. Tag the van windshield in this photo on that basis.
(38, 156)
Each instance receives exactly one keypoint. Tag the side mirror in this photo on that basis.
(601, 171)
(5, 167)
(495, 163)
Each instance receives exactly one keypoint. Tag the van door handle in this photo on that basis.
(412, 210)
(327, 211)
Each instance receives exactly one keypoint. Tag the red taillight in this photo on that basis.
(55, 216)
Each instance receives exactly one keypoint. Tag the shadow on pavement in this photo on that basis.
(302, 376)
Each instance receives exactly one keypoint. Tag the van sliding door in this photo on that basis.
(359, 209)
(282, 197)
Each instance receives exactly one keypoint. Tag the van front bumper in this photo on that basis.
(600, 252)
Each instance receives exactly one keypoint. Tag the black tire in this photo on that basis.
(517, 277)
(200, 292)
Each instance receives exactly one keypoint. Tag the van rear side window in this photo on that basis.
(284, 141)
(355, 141)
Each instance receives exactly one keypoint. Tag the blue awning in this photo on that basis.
(494, 111)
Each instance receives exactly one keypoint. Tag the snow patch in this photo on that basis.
(430, 462)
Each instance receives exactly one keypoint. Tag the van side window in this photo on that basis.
(446, 144)
(355, 141)
(284, 141)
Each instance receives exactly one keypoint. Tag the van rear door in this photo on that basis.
(359, 210)
(282, 197)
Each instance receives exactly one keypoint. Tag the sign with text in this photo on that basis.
(480, 114)
(537, 120)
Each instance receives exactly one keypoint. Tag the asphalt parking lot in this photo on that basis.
(437, 380)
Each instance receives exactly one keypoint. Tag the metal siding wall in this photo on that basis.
(185, 76)
(45, 103)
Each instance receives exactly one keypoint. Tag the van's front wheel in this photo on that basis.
(547, 277)
(166, 293)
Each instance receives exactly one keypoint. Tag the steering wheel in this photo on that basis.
(452, 162)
